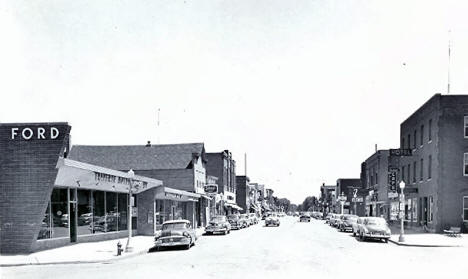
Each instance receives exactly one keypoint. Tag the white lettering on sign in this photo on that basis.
(39, 133)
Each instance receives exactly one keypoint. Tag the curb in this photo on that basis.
(139, 253)
(421, 245)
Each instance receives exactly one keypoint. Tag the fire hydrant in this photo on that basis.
(119, 249)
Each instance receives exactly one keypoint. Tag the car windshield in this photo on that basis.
(174, 226)
(376, 222)
(233, 217)
(218, 219)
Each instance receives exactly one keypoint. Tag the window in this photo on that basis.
(414, 172)
(409, 173)
(465, 208)
(402, 143)
(430, 214)
(429, 132)
(56, 220)
(466, 126)
(85, 212)
(429, 167)
(422, 135)
(465, 168)
(414, 139)
(99, 219)
(409, 141)
(421, 170)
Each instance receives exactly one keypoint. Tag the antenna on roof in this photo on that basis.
(448, 69)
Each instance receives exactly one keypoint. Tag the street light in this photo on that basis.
(342, 199)
(131, 175)
(402, 212)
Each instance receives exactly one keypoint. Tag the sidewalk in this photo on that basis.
(416, 237)
(89, 252)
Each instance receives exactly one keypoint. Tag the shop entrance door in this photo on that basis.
(73, 221)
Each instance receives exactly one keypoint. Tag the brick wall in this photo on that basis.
(27, 176)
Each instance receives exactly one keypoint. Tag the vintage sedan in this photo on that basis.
(272, 220)
(176, 233)
(218, 224)
(304, 218)
(246, 222)
(375, 228)
(334, 220)
(346, 223)
(357, 226)
(253, 217)
(235, 221)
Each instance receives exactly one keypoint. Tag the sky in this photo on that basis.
(305, 88)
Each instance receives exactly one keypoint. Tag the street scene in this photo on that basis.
(292, 249)
(233, 139)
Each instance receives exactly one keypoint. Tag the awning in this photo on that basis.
(81, 175)
(166, 193)
(233, 205)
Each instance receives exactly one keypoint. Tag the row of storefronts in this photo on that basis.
(54, 194)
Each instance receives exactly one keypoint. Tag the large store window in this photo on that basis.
(99, 214)
(111, 212)
(85, 212)
(123, 217)
(55, 223)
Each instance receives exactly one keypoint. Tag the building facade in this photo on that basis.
(436, 173)
(347, 187)
(327, 198)
(223, 166)
(179, 166)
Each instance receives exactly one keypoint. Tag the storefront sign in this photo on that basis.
(34, 133)
(211, 189)
(400, 152)
(392, 195)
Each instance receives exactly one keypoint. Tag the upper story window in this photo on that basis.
(409, 173)
(403, 173)
(429, 167)
(465, 165)
(414, 139)
(421, 170)
(414, 172)
(429, 131)
(466, 126)
(422, 135)
(409, 141)
(403, 142)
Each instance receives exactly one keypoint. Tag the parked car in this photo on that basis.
(253, 217)
(375, 228)
(328, 217)
(176, 233)
(334, 220)
(304, 218)
(235, 222)
(218, 224)
(85, 219)
(246, 222)
(272, 219)
(357, 226)
(346, 223)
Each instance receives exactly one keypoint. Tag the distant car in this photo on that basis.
(218, 224)
(346, 223)
(375, 228)
(246, 222)
(296, 214)
(176, 233)
(253, 217)
(235, 222)
(328, 217)
(304, 218)
(272, 220)
(334, 220)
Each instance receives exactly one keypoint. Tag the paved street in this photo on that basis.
(293, 249)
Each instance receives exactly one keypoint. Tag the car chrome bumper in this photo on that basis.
(375, 235)
(214, 230)
(161, 243)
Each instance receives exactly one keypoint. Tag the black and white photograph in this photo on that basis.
(233, 139)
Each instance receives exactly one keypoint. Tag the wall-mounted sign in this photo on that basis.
(211, 189)
(27, 133)
(401, 152)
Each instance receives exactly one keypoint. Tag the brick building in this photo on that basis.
(243, 193)
(327, 197)
(436, 174)
(223, 166)
(347, 187)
